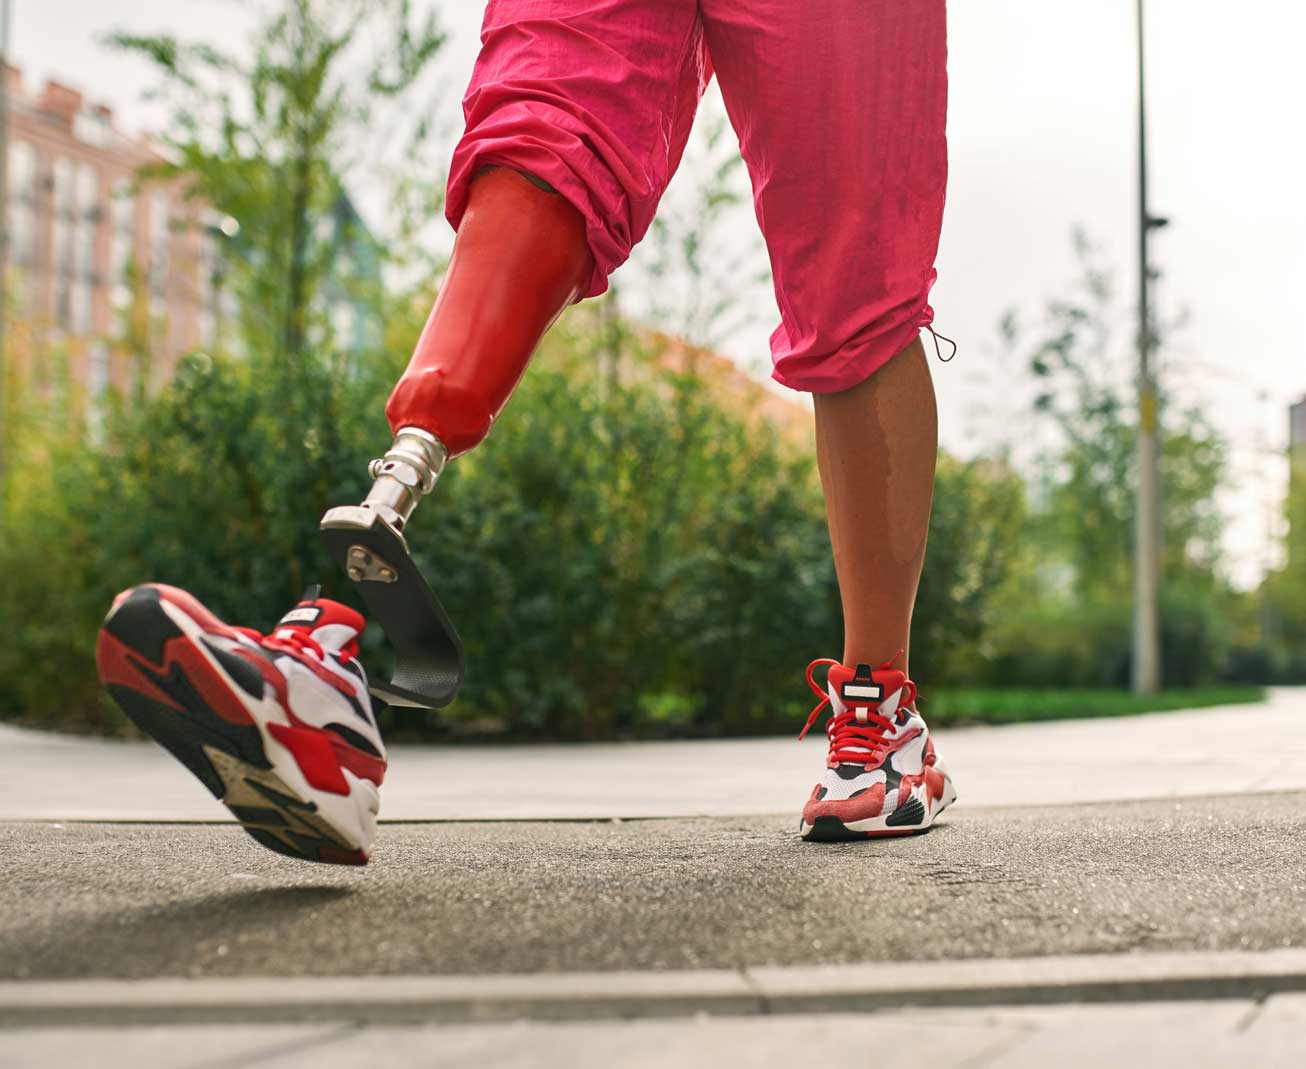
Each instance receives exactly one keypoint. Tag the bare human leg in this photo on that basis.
(876, 445)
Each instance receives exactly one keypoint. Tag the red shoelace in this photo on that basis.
(289, 640)
(294, 641)
(852, 740)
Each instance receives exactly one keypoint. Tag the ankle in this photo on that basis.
(877, 656)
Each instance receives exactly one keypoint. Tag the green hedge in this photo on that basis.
(1019, 705)
(625, 557)
(621, 559)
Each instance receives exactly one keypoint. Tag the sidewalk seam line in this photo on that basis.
(764, 1004)
(1250, 1017)
(328, 1036)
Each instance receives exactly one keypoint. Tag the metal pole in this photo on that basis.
(6, 12)
(1147, 624)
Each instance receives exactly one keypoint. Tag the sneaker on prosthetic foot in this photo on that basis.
(277, 726)
(882, 776)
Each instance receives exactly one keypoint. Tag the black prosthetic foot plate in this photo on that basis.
(428, 652)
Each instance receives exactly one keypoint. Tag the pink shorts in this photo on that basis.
(840, 107)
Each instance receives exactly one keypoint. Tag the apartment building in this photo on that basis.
(91, 247)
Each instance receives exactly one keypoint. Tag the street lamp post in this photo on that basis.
(1147, 525)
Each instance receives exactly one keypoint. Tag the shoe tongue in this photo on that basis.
(331, 625)
(859, 686)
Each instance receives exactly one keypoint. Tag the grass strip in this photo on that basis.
(993, 706)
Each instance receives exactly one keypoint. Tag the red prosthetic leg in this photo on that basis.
(520, 258)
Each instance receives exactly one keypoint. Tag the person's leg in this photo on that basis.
(593, 99)
(519, 259)
(840, 106)
(876, 444)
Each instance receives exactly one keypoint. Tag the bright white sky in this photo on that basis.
(1042, 139)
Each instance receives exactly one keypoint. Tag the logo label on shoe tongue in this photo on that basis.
(862, 687)
(305, 614)
(860, 692)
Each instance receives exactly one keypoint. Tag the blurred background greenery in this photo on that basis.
(640, 549)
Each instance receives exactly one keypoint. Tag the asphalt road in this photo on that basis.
(120, 900)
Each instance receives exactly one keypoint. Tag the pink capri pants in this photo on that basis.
(840, 107)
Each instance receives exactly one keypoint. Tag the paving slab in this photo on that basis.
(164, 1046)
(1224, 873)
(1166, 1035)
(1161, 755)
(1191, 1035)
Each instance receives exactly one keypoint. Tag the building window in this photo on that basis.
(86, 193)
(81, 302)
(65, 193)
(212, 272)
(97, 385)
(20, 229)
(22, 170)
(85, 216)
(122, 242)
(160, 239)
(64, 234)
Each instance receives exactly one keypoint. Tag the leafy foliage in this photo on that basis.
(977, 549)
(265, 139)
(1281, 655)
(1083, 529)
(624, 559)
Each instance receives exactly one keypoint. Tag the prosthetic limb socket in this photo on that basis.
(520, 258)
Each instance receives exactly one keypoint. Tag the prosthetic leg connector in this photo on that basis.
(405, 475)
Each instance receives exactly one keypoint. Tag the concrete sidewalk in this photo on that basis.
(1233, 750)
(1250, 1034)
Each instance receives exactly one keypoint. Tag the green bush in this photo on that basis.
(614, 546)
(1055, 642)
(625, 557)
(977, 551)
(1051, 642)
(213, 485)
(615, 551)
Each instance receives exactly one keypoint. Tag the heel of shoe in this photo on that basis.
(137, 659)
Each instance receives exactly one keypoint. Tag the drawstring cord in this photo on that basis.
(941, 337)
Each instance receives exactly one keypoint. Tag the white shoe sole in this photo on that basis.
(896, 822)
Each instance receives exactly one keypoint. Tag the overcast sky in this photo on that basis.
(1042, 134)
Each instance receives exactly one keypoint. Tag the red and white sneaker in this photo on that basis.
(882, 776)
(279, 727)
